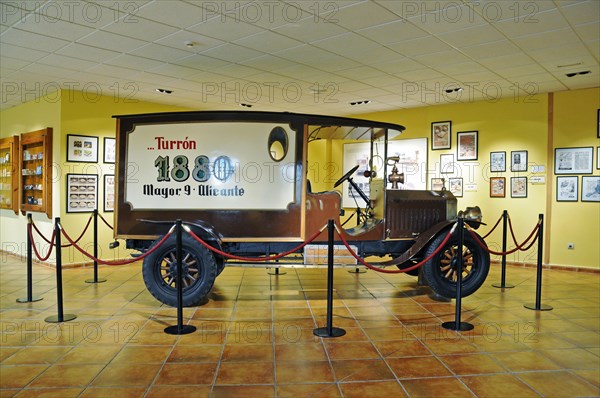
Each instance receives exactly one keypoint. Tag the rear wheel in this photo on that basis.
(440, 272)
(199, 271)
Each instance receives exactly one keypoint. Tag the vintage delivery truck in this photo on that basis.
(238, 180)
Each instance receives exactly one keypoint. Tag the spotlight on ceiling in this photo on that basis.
(164, 91)
(363, 102)
(246, 105)
(573, 74)
(452, 90)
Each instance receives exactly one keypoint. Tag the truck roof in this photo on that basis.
(330, 127)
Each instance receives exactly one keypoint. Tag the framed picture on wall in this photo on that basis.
(598, 157)
(109, 193)
(497, 187)
(573, 160)
(567, 188)
(447, 163)
(82, 193)
(441, 135)
(518, 187)
(497, 161)
(456, 186)
(598, 124)
(109, 150)
(82, 148)
(590, 189)
(437, 184)
(467, 145)
(518, 161)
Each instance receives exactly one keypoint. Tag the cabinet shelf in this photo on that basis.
(35, 168)
(9, 187)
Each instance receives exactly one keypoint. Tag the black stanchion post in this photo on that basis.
(458, 263)
(180, 328)
(538, 306)
(61, 317)
(503, 284)
(95, 280)
(29, 298)
(329, 330)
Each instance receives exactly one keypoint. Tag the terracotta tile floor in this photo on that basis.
(255, 337)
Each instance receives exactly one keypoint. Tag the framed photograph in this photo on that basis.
(441, 135)
(467, 145)
(518, 161)
(567, 188)
(573, 160)
(456, 186)
(598, 124)
(109, 193)
(437, 184)
(497, 187)
(598, 157)
(497, 161)
(82, 193)
(590, 189)
(109, 150)
(518, 187)
(447, 163)
(82, 148)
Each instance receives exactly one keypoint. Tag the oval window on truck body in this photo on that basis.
(278, 144)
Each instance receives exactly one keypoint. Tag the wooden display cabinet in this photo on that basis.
(36, 172)
(9, 176)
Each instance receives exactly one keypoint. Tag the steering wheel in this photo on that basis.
(346, 176)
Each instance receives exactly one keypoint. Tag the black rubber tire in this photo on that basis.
(157, 271)
(476, 266)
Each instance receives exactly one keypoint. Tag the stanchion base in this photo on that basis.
(462, 327)
(55, 319)
(99, 280)
(543, 307)
(185, 329)
(358, 271)
(25, 300)
(506, 285)
(276, 272)
(323, 332)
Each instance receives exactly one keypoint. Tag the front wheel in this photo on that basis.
(199, 271)
(440, 272)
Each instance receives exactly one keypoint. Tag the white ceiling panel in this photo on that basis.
(111, 41)
(398, 53)
(88, 53)
(141, 29)
(31, 40)
(174, 13)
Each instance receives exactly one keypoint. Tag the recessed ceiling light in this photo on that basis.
(362, 102)
(189, 43)
(164, 91)
(583, 72)
(246, 105)
(452, 90)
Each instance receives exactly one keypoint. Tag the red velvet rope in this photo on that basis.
(518, 247)
(268, 258)
(398, 271)
(29, 231)
(106, 222)
(120, 262)
(493, 228)
(51, 241)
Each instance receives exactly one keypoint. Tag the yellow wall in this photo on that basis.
(575, 124)
(520, 124)
(69, 113)
(505, 125)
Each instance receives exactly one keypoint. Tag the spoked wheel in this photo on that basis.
(441, 271)
(198, 272)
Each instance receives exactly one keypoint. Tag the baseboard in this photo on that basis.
(571, 268)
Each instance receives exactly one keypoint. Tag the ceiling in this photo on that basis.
(298, 56)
